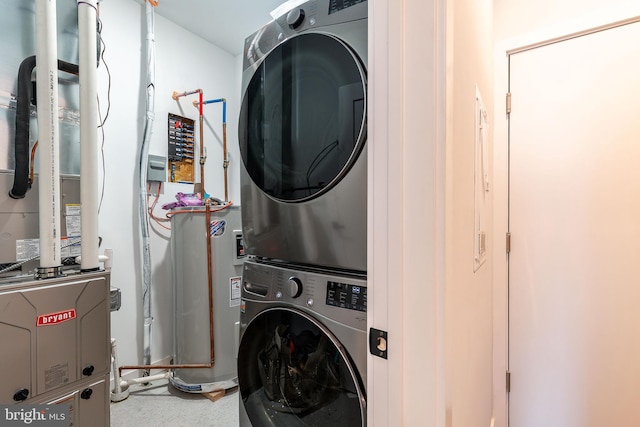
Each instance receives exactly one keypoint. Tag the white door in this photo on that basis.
(574, 219)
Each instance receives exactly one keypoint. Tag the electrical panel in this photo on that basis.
(180, 150)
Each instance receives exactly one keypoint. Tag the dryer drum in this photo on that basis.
(303, 118)
(299, 371)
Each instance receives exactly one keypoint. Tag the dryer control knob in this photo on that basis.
(294, 287)
(295, 18)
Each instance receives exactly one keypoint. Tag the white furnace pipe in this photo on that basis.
(48, 133)
(87, 12)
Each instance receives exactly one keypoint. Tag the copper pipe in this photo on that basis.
(175, 95)
(225, 163)
(149, 367)
(211, 314)
(210, 279)
(31, 164)
(203, 157)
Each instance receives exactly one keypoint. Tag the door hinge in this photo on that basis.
(508, 242)
(508, 102)
(508, 384)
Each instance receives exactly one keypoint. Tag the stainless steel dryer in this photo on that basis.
(302, 133)
(303, 350)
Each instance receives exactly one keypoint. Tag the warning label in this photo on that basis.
(234, 284)
(56, 376)
(27, 249)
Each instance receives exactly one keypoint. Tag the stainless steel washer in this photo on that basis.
(303, 350)
(302, 133)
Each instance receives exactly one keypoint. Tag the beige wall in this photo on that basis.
(515, 18)
(469, 299)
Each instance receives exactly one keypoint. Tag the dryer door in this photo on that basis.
(293, 372)
(303, 117)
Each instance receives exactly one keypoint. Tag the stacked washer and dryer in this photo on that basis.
(302, 130)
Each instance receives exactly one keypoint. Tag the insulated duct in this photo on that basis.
(21, 145)
(21, 180)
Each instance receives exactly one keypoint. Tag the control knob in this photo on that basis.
(86, 394)
(295, 18)
(21, 395)
(294, 287)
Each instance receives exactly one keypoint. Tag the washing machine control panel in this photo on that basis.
(348, 296)
(339, 297)
(295, 18)
(338, 5)
(294, 287)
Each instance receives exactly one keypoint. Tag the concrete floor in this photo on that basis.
(159, 404)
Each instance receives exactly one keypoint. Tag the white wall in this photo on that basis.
(520, 23)
(469, 296)
(184, 62)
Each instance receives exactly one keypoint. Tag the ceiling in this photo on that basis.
(225, 23)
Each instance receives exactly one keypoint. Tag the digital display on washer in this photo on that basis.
(338, 5)
(347, 296)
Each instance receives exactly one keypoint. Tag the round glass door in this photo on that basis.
(293, 372)
(303, 117)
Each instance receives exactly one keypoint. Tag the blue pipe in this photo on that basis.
(224, 138)
(224, 107)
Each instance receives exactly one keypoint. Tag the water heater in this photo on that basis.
(192, 303)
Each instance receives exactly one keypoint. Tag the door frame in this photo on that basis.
(503, 51)
(406, 136)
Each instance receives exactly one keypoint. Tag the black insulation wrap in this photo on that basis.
(21, 144)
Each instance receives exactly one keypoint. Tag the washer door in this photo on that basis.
(303, 117)
(293, 372)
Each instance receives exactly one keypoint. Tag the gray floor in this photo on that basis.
(160, 404)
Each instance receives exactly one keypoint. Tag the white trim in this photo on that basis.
(406, 149)
(383, 388)
(574, 35)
